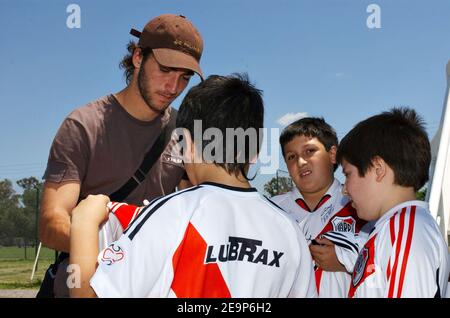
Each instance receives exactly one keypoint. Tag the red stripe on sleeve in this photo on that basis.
(392, 228)
(392, 232)
(399, 243)
(407, 249)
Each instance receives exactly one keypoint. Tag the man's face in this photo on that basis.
(362, 191)
(309, 164)
(160, 85)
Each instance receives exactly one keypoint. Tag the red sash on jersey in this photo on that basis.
(124, 212)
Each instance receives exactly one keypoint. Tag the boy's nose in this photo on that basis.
(301, 161)
(344, 190)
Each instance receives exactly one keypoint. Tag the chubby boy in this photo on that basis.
(385, 159)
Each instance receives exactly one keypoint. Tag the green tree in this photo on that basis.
(30, 199)
(29, 183)
(9, 207)
(421, 194)
(278, 186)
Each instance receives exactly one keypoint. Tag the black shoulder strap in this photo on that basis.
(141, 173)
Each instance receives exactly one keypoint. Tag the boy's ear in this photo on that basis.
(188, 147)
(380, 168)
(332, 152)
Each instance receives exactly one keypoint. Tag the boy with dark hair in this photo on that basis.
(309, 148)
(385, 159)
(219, 238)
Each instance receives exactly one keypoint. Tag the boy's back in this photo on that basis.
(219, 241)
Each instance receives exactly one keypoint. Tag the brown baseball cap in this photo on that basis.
(174, 40)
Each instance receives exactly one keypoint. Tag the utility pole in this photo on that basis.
(37, 224)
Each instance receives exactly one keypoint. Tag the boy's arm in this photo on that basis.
(340, 249)
(86, 219)
(417, 266)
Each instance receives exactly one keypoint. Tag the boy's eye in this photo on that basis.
(290, 157)
(310, 151)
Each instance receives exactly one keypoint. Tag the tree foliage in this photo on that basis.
(421, 194)
(278, 186)
(18, 212)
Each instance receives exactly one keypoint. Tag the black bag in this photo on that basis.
(46, 289)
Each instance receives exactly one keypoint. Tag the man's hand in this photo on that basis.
(325, 257)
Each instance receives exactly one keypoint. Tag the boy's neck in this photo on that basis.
(216, 174)
(312, 199)
(395, 196)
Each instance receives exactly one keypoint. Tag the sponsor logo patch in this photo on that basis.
(243, 249)
(112, 254)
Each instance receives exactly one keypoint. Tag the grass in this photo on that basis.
(14, 252)
(15, 270)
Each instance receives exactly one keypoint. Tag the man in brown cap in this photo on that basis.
(120, 144)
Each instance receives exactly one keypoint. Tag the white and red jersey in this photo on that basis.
(210, 240)
(405, 256)
(120, 216)
(334, 213)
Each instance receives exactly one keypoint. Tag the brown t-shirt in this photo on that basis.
(101, 146)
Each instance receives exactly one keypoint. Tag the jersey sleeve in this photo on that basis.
(69, 153)
(415, 267)
(348, 244)
(120, 216)
(138, 263)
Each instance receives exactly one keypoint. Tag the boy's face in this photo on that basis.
(363, 191)
(309, 164)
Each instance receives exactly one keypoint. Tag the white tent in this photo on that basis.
(438, 195)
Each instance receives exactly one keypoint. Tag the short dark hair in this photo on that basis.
(310, 127)
(398, 137)
(127, 61)
(225, 102)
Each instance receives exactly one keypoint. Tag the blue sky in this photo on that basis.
(314, 57)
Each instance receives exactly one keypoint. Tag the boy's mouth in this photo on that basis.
(305, 173)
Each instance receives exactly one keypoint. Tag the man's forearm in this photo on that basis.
(58, 201)
(55, 234)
